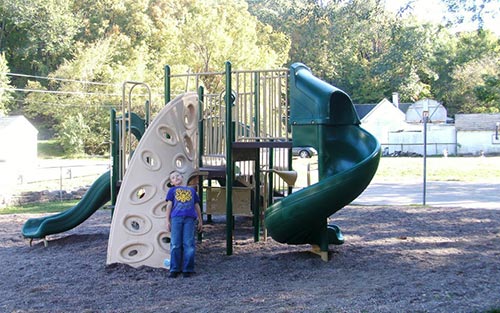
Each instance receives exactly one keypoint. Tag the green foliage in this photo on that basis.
(489, 93)
(369, 53)
(356, 45)
(49, 149)
(463, 64)
(37, 35)
(72, 132)
(5, 95)
(469, 91)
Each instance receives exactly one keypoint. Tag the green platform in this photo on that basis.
(324, 118)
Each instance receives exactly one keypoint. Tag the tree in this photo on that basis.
(216, 31)
(78, 102)
(405, 66)
(463, 62)
(5, 96)
(489, 93)
(120, 40)
(356, 45)
(475, 86)
(470, 11)
(36, 35)
(306, 23)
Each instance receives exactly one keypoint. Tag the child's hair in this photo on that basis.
(174, 171)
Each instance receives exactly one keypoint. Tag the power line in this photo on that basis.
(69, 104)
(67, 80)
(80, 93)
(60, 92)
(59, 79)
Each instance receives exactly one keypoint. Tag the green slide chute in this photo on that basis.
(96, 197)
(324, 118)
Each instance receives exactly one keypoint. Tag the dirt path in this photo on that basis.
(395, 259)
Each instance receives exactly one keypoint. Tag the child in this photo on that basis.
(183, 209)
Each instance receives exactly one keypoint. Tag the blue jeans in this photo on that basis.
(182, 244)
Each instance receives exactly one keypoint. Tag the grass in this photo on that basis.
(50, 149)
(462, 169)
(42, 207)
(394, 169)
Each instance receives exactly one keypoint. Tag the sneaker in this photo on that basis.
(173, 274)
(186, 274)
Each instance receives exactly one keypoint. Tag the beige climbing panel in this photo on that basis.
(138, 234)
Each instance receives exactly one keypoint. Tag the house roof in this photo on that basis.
(404, 107)
(364, 108)
(10, 121)
(476, 122)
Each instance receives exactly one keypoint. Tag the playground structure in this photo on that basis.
(231, 142)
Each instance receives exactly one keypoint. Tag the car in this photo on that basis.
(304, 152)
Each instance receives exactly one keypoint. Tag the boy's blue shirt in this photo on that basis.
(183, 200)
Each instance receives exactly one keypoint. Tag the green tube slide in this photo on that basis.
(324, 118)
(97, 196)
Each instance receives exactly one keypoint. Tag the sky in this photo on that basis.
(433, 11)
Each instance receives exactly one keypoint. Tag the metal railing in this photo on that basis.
(433, 148)
(59, 178)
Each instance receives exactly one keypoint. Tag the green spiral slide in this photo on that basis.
(324, 118)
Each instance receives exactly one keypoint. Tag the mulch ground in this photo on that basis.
(395, 259)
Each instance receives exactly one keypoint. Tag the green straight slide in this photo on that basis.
(324, 118)
(94, 198)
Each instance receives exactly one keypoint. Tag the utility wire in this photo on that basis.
(59, 79)
(81, 93)
(78, 93)
(69, 104)
(67, 80)
(60, 92)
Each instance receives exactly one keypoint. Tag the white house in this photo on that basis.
(437, 112)
(399, 127)
(18, 151)
(18, 141)
(441, 139)
(381, 119)
(478, 133)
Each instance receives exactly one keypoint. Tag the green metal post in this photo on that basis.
(200, 147)
(257, 103)
(229, 163)
(290, 168)
(167, 84)
(257, 212)
(114, 156)
(270, 185)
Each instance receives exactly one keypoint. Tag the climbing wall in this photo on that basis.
(138, 234)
